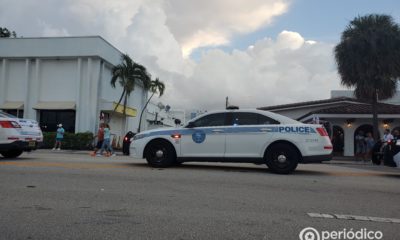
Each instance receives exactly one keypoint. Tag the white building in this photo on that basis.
(64, 80)
(159, 115)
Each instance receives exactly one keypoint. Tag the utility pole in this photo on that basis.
(226, 102)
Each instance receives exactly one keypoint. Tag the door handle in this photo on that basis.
(217, 130)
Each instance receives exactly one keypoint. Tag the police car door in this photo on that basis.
(206, 138)
(248, 135)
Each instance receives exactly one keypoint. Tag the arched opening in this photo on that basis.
(363, 129)
(338, 140)
(396, 128)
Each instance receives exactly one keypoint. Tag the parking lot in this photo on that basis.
(71, 195)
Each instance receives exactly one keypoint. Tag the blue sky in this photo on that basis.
(319, 20)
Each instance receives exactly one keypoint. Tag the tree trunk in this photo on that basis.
(125, 102)
(141, 114)
(120, 99)
(119, 102)
(375, 123)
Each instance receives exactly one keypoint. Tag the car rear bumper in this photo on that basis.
(317, 158)
(19, 145)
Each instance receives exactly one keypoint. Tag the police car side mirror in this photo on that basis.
(190, 125)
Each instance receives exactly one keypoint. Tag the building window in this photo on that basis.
(49, 119)
(16, 112)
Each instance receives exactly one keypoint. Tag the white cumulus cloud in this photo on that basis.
(212, 23)
(160, 33)
(272, 71)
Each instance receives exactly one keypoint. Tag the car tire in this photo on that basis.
(282, 158)
(160, 154)
(11, 153)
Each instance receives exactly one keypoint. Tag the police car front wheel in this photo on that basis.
(282, 158)
(160, 154)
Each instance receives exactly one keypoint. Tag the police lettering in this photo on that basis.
(301, 130)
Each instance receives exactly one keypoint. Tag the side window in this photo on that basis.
(243, 118)
(263, 120)
(212, 120)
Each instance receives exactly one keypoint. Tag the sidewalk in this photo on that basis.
(82, 152)
(351, 162)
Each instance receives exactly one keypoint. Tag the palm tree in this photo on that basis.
(4, 33)
(368, 59)
(128, 73)
(155, 86)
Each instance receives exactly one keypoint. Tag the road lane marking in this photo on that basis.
(354, 217)
(99, 165)
(64, 165)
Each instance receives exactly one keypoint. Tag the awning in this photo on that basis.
(108, 107)
(131, 112)
(12, 105)
(55, 106)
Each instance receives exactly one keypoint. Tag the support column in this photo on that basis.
(3, 81)
(88, 96)
(28, 111)
(98, 86)
(349, 141)
(84, 105)
(78, 112)
(33, 91)
(94, 83)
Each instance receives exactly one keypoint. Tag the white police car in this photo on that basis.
(18, 135)
(252, 136)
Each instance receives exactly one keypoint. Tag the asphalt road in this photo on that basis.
(69, 195)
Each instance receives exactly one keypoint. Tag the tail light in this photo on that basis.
(322, 131)
(9, 124)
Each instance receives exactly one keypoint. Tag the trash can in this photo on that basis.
(127, 142)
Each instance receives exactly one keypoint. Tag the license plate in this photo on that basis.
(32, 144)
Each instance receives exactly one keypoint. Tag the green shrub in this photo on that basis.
(75, 141)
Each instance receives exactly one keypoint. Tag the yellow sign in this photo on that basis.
(131, 112)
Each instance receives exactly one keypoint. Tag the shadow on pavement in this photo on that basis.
(3, 159)
(255, 169)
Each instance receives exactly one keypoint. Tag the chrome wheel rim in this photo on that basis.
(159, 154)
(282, 158)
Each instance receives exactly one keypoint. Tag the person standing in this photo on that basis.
(100, 139)
(59, 137)
(396, 157)
(369, 143)
(360, 145)
(387, 148)
(396, 135)
(387, 136)
(107, 142)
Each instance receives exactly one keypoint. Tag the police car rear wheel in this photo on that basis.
(11, 153)
(160, 154)
(282, 158)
